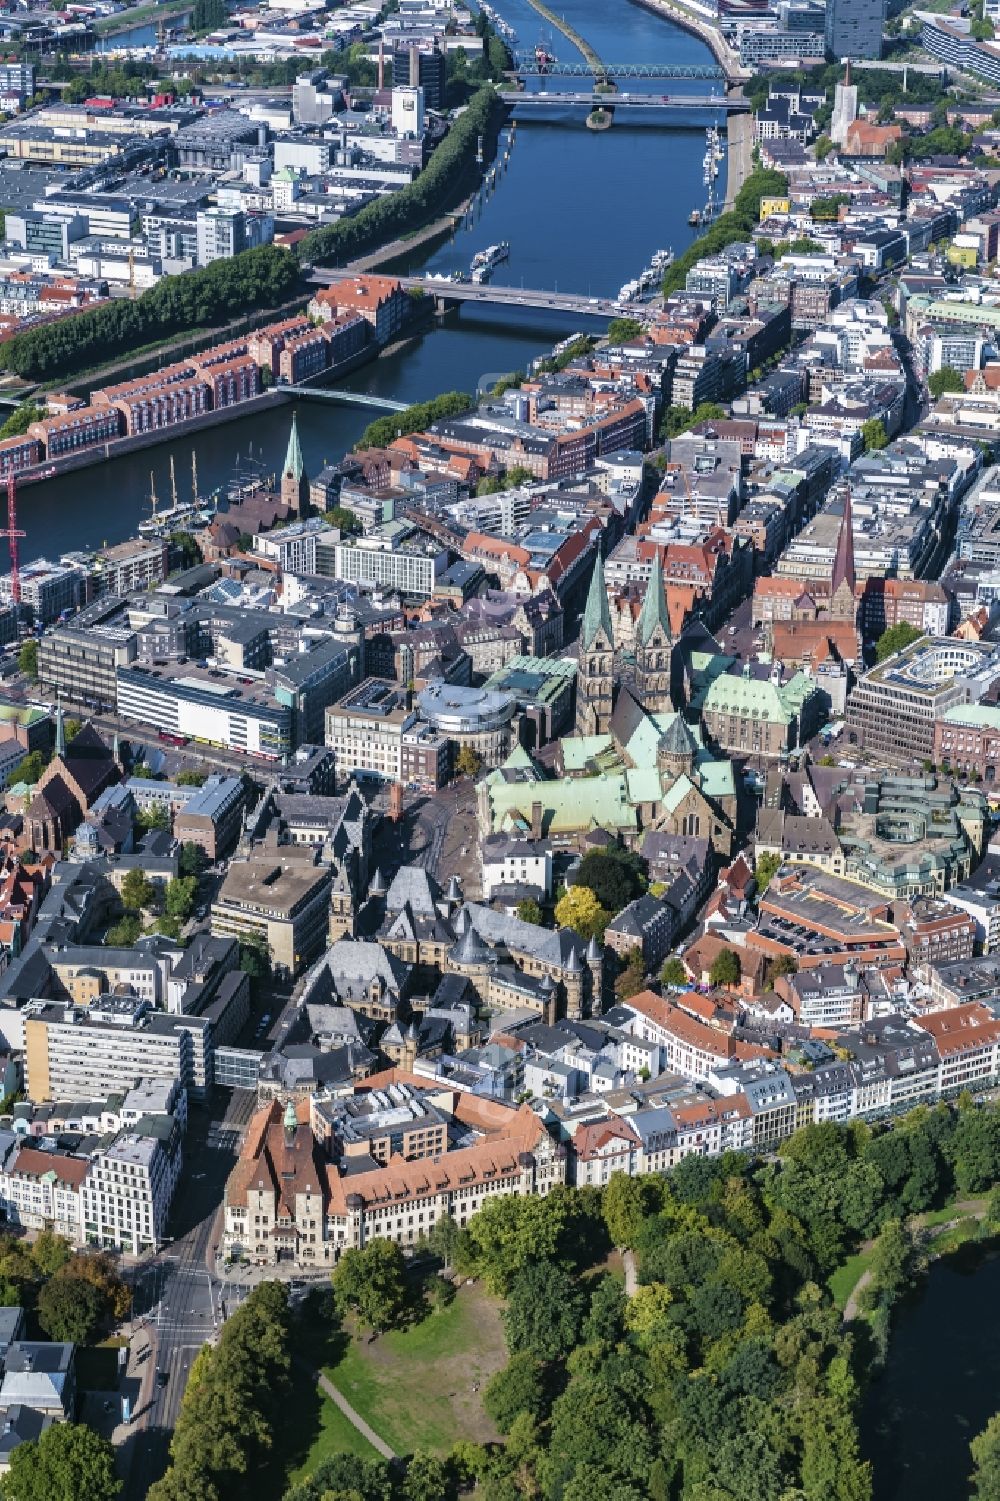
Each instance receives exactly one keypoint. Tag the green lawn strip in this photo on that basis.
(948, 1212)
(843, 1281)
(403, 1383)
(950, 1240)
(142, 15)
(337, 1435)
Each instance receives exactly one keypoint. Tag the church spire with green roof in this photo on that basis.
(294, 483)
(654, 606)
(596, 615)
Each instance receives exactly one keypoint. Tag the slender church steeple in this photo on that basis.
(843, 579)
(653, 645)
(595, 675)
(294, 481)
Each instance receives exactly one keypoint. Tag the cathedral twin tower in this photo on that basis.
(595, 683)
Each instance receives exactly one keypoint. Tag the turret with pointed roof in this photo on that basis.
(294, 481)
(595, 682)
(653, 645)
(843, 580)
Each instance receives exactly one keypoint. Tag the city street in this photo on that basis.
(176, 1295)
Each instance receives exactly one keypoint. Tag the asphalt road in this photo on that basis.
(177, 1293)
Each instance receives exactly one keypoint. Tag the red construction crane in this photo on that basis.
(12, 534)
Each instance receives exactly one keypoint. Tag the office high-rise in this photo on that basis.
(854, 28)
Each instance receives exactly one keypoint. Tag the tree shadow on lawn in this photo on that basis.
(318, 1340)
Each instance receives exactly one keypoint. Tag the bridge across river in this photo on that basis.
(526, 65)
(348, 398)
(500, 296)
(550, 101)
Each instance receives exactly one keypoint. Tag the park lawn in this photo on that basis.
(845, 1279)
(336, 1435)
(949, 1212)
(950, 1240)
(414, 1386)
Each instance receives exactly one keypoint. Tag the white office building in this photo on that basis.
(126, 1195)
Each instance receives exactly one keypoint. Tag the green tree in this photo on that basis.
(985, 1449)
(622, 330)
(233, 1409)
(428, 1478)
(208, 15)
(468, 762)
(679, 419)
(764, 867)
(138, 892)
(544, 1313)
(945, 379)
(580, 910)
(381, 432)
(31, 767)
(124, 933)
(785, 964)
(344, 519)
(674, 973)
(895, 639)
(725, 968)
(21, 418)
(822, 146)
(626, 1204)
(891, 1264)
(442, 1239)
(371, 1281)
(179, 898)
(530, 911)
(605, 1321)
(50, 1253)
(157, 816)
(70, 1462)
(518, 1387)
(255, 958)
(184, 550)
(70, 1308)
(511, 1233)
(615, 876)
(190, 778)
(874, 435)
(27, 659)
(192, 859)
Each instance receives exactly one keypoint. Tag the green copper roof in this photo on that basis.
(568, 805)
(654, 606)
(596, 616)
(293, 458)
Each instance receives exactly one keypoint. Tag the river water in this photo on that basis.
(941, 1385)
(582, 211)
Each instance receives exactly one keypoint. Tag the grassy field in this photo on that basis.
(333, 1435)
(415, 1386)
(843, 1281)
